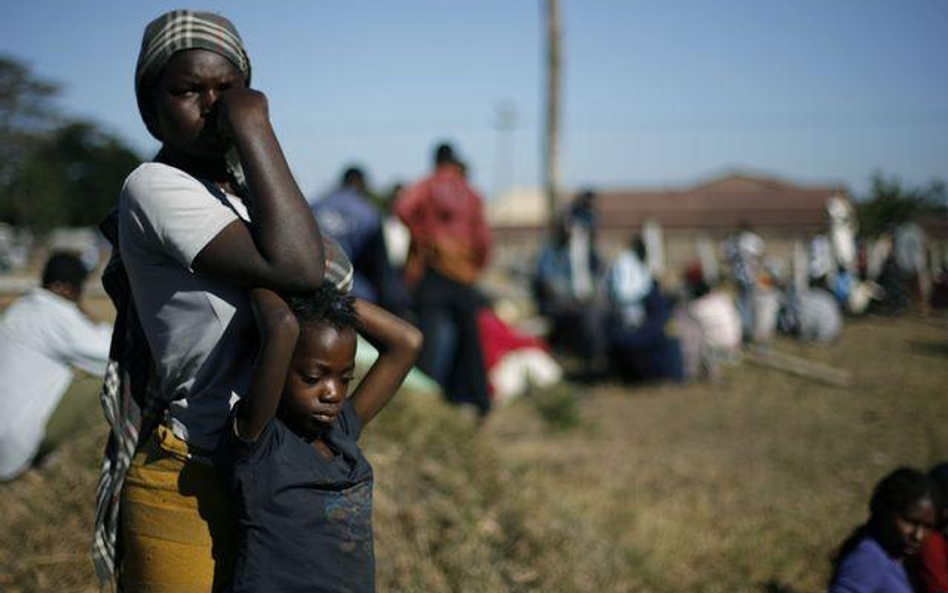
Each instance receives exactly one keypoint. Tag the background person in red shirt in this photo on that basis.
(450, 243)
(930, 565)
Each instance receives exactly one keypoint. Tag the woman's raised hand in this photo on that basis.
(239, 110)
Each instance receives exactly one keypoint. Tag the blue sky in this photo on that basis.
(655, 93)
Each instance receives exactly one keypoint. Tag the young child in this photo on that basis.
(301, 486)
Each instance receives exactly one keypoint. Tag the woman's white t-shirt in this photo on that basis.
(201, 332)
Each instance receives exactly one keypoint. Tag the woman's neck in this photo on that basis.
(886, 543)
(214, 170)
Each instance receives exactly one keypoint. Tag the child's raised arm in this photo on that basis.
(398, 344)
(279, 331)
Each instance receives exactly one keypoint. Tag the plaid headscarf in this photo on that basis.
(180, 30)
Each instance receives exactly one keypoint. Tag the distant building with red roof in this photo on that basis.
(766, 204)
(780, 211)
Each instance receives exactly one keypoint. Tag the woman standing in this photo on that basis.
(216, 211)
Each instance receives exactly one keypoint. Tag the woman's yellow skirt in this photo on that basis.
(178, 523)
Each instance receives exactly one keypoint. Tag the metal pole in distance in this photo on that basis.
(552, 140)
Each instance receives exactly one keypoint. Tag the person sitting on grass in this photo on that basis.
(289, 456)
(930, 565)
(42, 337)
(639, 347)
(901, 513)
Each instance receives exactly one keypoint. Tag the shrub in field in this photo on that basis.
(558, 407)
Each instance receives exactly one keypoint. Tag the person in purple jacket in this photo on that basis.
(901, 513)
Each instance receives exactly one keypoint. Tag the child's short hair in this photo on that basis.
(327, 305)
(65, 267)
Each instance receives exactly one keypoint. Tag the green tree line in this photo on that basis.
(54, 170)
(890, 203)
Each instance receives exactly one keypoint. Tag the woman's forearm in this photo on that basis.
(285, 231)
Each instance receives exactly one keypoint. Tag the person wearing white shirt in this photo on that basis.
(43, 335)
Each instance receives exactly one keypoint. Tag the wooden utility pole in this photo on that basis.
(552, 137)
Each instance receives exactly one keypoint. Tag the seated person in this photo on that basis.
(930, 565)
(576, 319)
(813, 315)
(551, 281)
(516, 362)
(639, 348)
(901, 514)
(820, 317)
(42, 336)
(715, 312)
(708, 327)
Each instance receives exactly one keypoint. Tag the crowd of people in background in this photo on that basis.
(434, 283)
(621, 314)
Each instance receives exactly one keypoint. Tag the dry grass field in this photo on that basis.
(746, 484)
